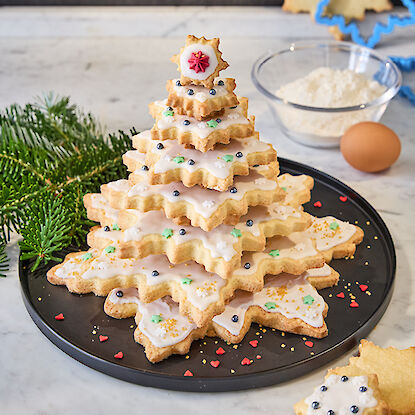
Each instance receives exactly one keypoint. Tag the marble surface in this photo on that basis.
(114, 62)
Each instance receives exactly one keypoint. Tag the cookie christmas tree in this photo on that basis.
(202, 216)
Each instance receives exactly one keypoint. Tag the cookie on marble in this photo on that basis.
(345, 393)
(199, 102)
(232, 122)
(168, 161)
(199, 61)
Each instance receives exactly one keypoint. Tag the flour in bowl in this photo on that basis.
(328, 88)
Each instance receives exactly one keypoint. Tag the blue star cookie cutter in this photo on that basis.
(405, 65)
(378, 30)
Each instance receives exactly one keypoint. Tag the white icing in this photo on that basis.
(212, 161)
(187, 54)
(292, 185)
(200, 128)
(173, 328)
(286, 292)
(323, 271)
(340, 396)
(201, 93)
(327, 238)
(196, 195)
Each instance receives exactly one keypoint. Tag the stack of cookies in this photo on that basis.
(205, 237)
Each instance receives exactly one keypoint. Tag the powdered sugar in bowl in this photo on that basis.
(319, 89)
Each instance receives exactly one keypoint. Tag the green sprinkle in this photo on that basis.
(270, 305)
(308, 299)
(109, 249)
(115, 227)
(86, 256)
(178, 159)
(236, 233)
(284, 188)
(156, 318)
(168, 113)
(186, 281)
(228, 158)
(334, 225)
(212, 123)
(274, 252)
(167, 233)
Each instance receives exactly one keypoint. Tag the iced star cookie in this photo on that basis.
(198, 101)
(168, 161)
(205, 208)
(199, 61)
(297, 188)
(394, 369)
(285, 303)
(219, 250)
(345, 394)
(232, 122)
(161, 329)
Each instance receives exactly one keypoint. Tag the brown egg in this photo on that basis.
(370, 146)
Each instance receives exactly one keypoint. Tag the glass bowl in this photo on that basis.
(323, 127)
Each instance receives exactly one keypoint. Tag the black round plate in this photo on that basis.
(278, 356)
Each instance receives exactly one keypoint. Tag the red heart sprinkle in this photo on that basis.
(318, 204)
(308, 343)
(258, 356)
(246, 361)
(119, 355)
(215, 363)
(343, 198)
(353, 304)
(254, 343)
(220, 351)
(188, 373)
(103, 338)
(60, 317)
(340, 295)
(363, 287)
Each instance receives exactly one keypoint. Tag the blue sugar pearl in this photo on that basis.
(191, 162)
(232, 108)
(190, 92)
(247, 265)
(212, 92)
(176, 193)
(239, 154)
(155, 273)
(221, 83)
(354, 409)
(218, 120)
(107, 228)
(120, 294)
(144, 167)
(160, 146)
(233, 190)
(186, 122)
(330, 412)
(235, 318)
(363, 389)
(323, 388)
(315, 405)
(249, 222)
(178, 83)
(182, 232)
(169, 108)
(344, 378)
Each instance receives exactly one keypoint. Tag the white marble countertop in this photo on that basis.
(113, 62)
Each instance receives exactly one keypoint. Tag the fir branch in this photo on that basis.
(4, 266)
(51, 154)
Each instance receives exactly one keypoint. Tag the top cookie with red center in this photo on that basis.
(199, 61)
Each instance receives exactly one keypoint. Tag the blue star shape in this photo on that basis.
(378, 30)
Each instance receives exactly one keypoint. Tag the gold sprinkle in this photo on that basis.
(330, 295)
(368, 293)
(367, 223)
(349, 284)
(204, 361)
(366, 263)
(283, 345)
(375, 237)
(187, 356)
(235, 346)
(216, 342)
(282, 334)
(39, 298)
(94, 332)
(352, 297)
(257, 333)
(368, 247)
(273, 329)
(312, 353)
(204, 343)
(292, 349)
(352, 257)
(356, 221)
(232, 371)
(201, 351)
